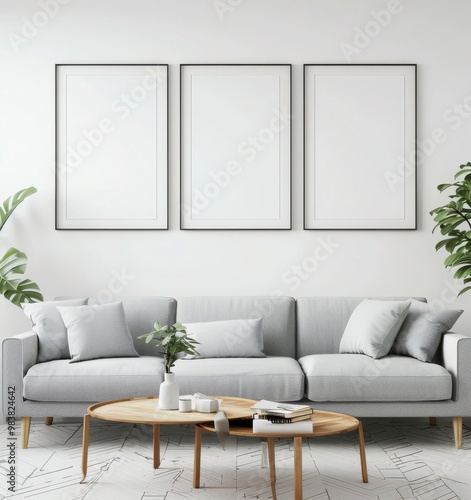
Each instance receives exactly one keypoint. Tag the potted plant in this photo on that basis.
(13, 263)
(172, 340)
(454, 221)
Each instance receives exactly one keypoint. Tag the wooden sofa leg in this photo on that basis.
(432, 420)
(48, 420)
(25, 427)
(458, 431)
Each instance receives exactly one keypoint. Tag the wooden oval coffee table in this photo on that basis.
(325, 423)
(146, 411)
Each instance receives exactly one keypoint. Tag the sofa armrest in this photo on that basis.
(456, 353)
(19, 354)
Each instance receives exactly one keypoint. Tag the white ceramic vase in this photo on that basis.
(169, 393)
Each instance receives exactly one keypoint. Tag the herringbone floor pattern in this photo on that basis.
(407, 459)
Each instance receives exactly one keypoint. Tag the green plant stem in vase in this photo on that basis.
(171, 340)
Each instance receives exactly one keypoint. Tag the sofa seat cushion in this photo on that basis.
(94, 380)
(355, 377)
(276, 378)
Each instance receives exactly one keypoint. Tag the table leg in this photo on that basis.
(361, 442)
(271, 461)
(86, 427)
(156, 443)
(197, 457)
(298, 468)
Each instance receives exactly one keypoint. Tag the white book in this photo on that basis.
(267, 427)
(285, 409)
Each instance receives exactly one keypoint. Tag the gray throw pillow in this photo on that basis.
(238, 338)
(421, 333)
(48, 325)
(373, 326)
(98, 331)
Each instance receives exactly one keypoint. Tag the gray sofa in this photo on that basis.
(301, 340)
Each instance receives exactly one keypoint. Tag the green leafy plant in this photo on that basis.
(13, 286)
(454, 221)
(12, 202)
(172, 340)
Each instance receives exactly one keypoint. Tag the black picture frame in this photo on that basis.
(112, 128)
(388, 198)
(237, 100)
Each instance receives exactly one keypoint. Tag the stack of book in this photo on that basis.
(280, 418)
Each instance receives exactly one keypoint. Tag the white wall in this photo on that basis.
(175, 263)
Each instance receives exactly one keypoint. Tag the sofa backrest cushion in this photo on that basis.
(321, 322)
(278, 313)
(142, 313)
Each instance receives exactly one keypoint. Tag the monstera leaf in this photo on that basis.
(12, 202)
(12, 284)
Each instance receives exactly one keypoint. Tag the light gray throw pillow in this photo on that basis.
(98, 331)
(421, 333)
(373, 326)
(48, 325)
(238, 338)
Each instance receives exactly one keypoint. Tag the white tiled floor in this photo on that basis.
(407, 459)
